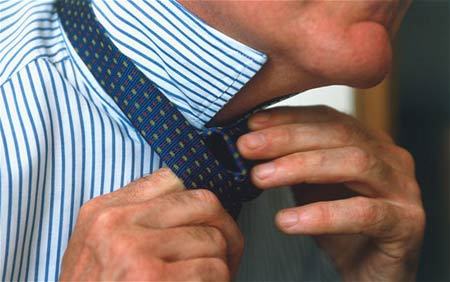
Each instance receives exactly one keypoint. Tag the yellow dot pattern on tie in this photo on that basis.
(158, 121)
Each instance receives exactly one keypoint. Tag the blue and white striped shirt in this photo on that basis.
(63, 141)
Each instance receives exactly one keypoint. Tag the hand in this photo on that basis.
(153, 229)
(372, 233)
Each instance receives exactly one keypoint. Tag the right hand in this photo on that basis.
(153, 229)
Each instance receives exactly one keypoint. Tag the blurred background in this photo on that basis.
(413, 105)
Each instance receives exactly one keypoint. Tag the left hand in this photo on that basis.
(153, 229)
(372, 233)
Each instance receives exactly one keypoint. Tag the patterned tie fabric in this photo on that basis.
(193, 156)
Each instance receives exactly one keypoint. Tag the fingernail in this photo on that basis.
(265, 170)
(288, 219)
(254, 140)
(260, 117)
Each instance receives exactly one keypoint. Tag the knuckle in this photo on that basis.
(89, 209)
(210, 234)
(344, 132)
(116, 248)
(401, 157)
(160, 177)
(415, 218)
(163, 174)
(383, 135)
(359, 159)
(206, 233)
(218, 238)
(107, 217)
(326, 110)
(410, 228)
(405, 156)
(409, 184)
(214, 234)
(85, 212)
(132, 194)
(174, 199)
(104, 222)
(325, 216)
(218, 268)
(286, 134)
(146, 179)
(369, 212)
(206, 196)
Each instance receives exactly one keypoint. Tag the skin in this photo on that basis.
(362, 204)
(371, 220)
(154, 230)
(309, 43)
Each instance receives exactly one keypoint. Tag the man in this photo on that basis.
(67, 147)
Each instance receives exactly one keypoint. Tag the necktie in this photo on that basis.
(192, 156)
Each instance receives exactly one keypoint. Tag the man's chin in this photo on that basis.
(366, 59)
(374, 51)
(372, 54)
(370, 77)
(358, 56)
(364, 73)
(368, 84)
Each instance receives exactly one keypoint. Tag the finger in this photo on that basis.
(298, 114)
(161, 182)
(144, 189)
(290, 138)
(186, 242)
(360, 170)
(202, 269)
(397, 157)
(358, 215)
(193, 207)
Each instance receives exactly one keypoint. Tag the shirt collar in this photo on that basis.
(199, 68)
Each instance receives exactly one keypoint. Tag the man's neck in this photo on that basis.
(276, 79)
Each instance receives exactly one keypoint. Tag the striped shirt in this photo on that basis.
(63, 141)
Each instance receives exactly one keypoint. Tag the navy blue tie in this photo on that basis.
(197, 158)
